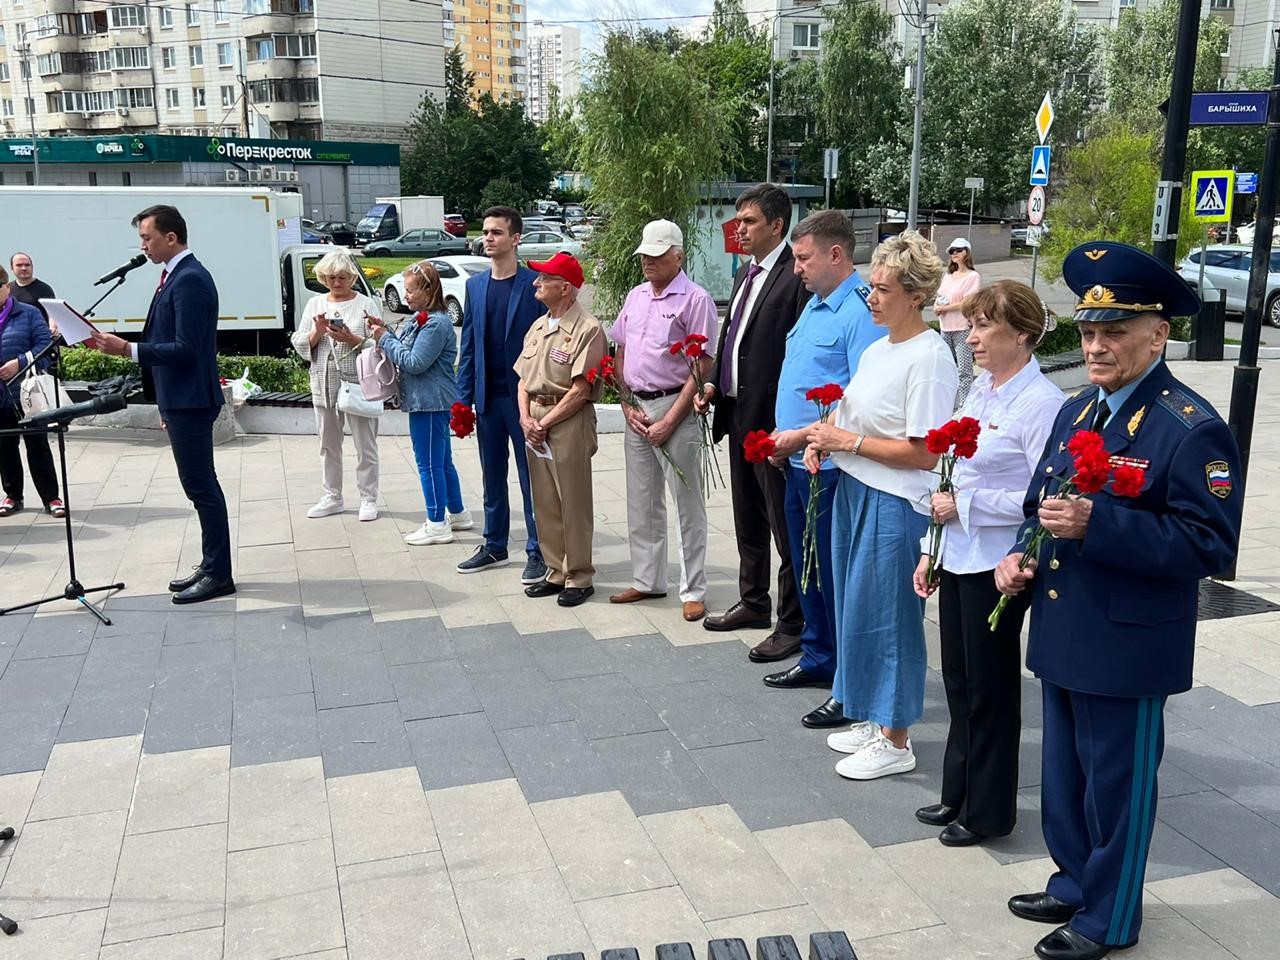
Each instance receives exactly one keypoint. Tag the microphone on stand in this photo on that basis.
(118, 273)
(74, 411)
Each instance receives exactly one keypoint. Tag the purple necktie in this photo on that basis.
(731, 338)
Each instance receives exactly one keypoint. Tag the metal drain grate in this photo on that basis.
(1220, 602)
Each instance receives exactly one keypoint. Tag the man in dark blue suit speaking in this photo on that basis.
(500, 310)
(179, 359)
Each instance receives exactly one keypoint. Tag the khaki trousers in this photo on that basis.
(364, 432)
(562, 499)
(647, 472)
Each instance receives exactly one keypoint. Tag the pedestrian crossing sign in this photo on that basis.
(1213, 190)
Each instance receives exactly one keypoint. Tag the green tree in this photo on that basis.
(459, 82)
(561, 131)
(654, 138)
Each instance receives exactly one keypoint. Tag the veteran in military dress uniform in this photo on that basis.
(559, 422)
(1114, 601)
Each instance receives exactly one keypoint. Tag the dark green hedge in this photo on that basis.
(284, 374)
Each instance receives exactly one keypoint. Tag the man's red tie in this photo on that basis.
(164, 275)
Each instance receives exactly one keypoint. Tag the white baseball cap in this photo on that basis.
(959, 243)
(660, 236)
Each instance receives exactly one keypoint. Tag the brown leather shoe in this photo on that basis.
(739, 617)
(631, 595)
(694, 610)
(776, 646)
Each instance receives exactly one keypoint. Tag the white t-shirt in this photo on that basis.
(901, 391)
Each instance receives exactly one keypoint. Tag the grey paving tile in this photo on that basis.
(554, 761)
(113, 696)
(267, 729)
(880, 810)
(65, 634)
(655, 773)
(492, 648)
(1230, 832)
(651, 660)
(608, 706)
(1173, 854)
(1254, 731)
(191, 706)
(350, 680)
(415, 641)
(456, 751)
(271, 626)
(440, 688)
(565, 654)
(130, 615)
(1026, 842)
(762, 785)
(363, 739)
(200, 628)
(272, 669)
(32, 684)
(341, 634)
(1216, 760)
(519, 698)
(700, 715)
(29, 735)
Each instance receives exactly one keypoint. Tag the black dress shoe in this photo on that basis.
(1041, 907)
(1067, 944)
(206, 588)
(936, 814)
(776, 646)
(739, 617)
(797, 676)
(544, 589)
(177, 586)
(572, 596)
(955, 835)
(830, 714)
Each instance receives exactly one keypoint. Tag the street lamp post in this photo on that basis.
(918, 17)
(23, 50)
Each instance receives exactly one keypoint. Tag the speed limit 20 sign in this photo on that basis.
(1035, 206)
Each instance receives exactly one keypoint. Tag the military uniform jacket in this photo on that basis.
(1115, 613)
(551, 359)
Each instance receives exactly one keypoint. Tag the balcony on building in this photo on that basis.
(276, 16)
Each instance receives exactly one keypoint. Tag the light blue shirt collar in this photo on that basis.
(1117, 400)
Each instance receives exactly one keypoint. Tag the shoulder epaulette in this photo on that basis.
(1186, 409)
(864, 292)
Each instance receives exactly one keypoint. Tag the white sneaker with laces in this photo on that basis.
(327, 507)
(430, 533)
(853, 739)
(460, 521)
(368, 510)
(878, 758)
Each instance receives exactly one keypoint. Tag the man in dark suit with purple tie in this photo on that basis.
(767, 298)
(179, 358)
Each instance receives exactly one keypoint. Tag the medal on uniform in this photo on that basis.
(560, 356)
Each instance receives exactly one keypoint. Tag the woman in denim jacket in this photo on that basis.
(424, 350)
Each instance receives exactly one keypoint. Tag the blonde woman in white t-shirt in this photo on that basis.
(961, 282)
(905, 386)
(332, 331)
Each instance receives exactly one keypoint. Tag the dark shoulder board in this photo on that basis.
(864, 293)
(1186, 408)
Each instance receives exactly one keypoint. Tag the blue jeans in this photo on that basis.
(429, 432)
(818, 603)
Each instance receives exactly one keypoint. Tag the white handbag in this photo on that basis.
(351, 400)
(37, 393)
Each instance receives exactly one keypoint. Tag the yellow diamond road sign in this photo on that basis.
(1044, 118)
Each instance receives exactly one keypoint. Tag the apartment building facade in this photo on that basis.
(493, 38)
(555, 60)
(288, 69)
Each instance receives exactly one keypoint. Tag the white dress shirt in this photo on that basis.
(731, 349)
(990, 487)
(133, 347)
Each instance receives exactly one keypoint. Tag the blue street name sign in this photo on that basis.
(1229, 107)
(1246, 183)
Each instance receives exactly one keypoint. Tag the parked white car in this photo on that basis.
(453, 271)
(1226, 267)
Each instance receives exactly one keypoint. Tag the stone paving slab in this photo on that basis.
(362, 754)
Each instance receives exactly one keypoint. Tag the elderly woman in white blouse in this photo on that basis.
(1015, 404)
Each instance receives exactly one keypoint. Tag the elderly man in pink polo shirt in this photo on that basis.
(667, 307)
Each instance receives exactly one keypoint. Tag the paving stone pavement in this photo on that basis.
(364, 755)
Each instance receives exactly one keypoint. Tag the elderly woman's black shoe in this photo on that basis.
(936, 814)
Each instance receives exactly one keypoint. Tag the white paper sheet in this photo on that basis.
(544, 453)
(71, 326)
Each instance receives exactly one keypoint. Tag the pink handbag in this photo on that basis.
(379, 379)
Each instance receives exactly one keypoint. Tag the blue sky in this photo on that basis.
(590, 12)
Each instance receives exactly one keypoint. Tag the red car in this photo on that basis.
(455, 225)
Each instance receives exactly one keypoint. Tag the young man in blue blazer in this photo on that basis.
(500, 310)
(179, 358)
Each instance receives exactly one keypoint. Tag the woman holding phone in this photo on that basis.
(333, 330)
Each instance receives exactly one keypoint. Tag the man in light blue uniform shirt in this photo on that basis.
(823, 347)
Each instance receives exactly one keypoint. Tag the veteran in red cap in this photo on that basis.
(559, 380)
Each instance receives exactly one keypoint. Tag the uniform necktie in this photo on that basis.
(1102, 416)
(730, 338)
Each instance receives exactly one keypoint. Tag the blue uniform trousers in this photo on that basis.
(818, 639)
(1098, 805)
(495, 428)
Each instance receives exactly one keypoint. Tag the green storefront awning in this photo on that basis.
(157, 148)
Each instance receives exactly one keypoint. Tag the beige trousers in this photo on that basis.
(364, 432)
(562, 499)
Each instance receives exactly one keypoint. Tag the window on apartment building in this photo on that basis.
(221, 14)
(1222, 4)
(195, 54)
(85, 24)
(1, 34)
(130, 58)
(172, 98)
(228, 96)
(804, 35)
(48, 64)
(135, 97)
(122, 17)
(294, 46)
(30, 104)
(169, 57)
(166, 18)
(6, 107)
(226, 55)
(24, 70)
(309, 90)
(197, 98)
(193, 15)
(260, 49)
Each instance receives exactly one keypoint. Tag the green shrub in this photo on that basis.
(1066, 336)
(276, 374)
(81, 363)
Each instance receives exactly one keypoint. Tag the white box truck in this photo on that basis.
(247, 238)
(391, 216)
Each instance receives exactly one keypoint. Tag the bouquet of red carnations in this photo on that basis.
(692, 349)
(605, 373)
(825, 397)
(954, 440)
(462, 420)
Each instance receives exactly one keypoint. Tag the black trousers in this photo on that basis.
(981, 674)
(191, 440)
(39, 459)
(759, 493)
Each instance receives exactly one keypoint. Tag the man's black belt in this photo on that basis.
(656, 394)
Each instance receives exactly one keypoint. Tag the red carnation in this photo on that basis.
(462, 421)
(695, 338)
(1084, 441)
(758, 446)
(592, 375)
(938, 441)
(676, 347)
(693, 350)
(421, 317)
(966, 448)
(1093, 469)
(1128, 481)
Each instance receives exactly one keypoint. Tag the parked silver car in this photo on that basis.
(1226, 267)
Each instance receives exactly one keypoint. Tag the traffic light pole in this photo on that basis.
(1173, 166)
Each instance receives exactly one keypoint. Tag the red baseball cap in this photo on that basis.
(562, 265)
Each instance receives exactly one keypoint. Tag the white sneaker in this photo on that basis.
(853, 739)
(878, 758)
(460, 521)
(430, 533)
(327, 507)
(368, 510)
